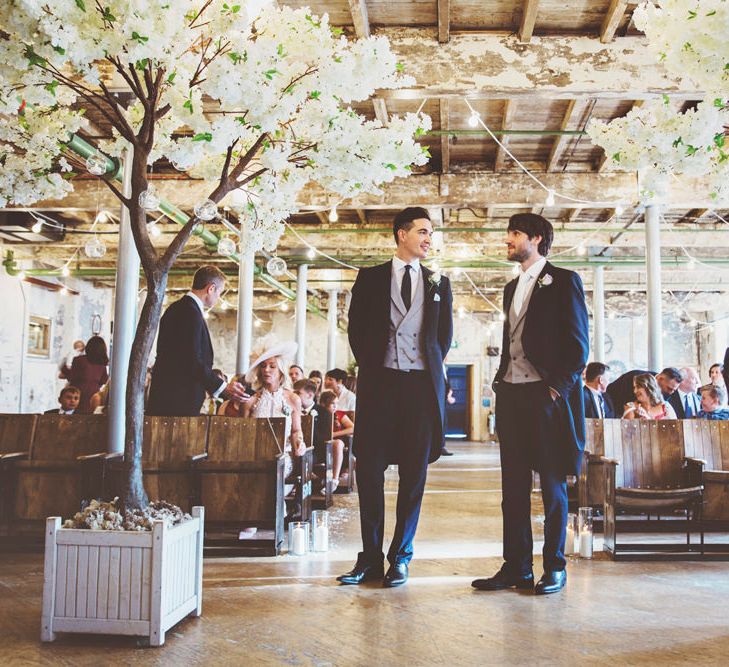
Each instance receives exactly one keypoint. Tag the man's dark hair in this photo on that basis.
(69, 389)
(296, 366)
(595, 369)
(533, 225)
(337, 374)
(405, 219)
(672, 374)
(315, 374)
(306, 385)
(206, 275)
(96, 351)
(327, 398)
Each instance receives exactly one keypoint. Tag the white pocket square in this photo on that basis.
(436, 297)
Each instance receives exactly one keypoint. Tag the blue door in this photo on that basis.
(457, 412)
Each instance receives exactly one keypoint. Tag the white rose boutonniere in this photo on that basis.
(434, 280)
(545, 281)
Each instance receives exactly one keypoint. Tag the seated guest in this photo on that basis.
(296, 373)
(99, 402)
(598, 404)
(685, 401)
(69, 400)
(316, 378)
(713, 400)
(341, 427)
(649, 403)
(88, 372)
(621, 390)
(716, 375)
(323, 429)
(334, 381)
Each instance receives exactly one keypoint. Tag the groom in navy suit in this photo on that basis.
(540, 416)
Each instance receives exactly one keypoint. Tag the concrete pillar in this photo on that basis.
(332, 329)
(598, 313)
(653, 286)
(245, 312)
(301, 283)
(125, 316)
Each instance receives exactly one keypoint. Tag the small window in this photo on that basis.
(39, 336)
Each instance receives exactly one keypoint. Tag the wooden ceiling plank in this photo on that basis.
(528, 20)
(612, 20)
(444, 21)
(445, 139)
(575, 109)
(360, 18)
(507, 118)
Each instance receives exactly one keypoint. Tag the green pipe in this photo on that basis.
(494, 230)
(114, 169)
(526, 133)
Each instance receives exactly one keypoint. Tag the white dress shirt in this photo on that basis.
(398, 266)
(527, 280)
(599, 401)
(347, 400)
(693, 401)
(201, 306)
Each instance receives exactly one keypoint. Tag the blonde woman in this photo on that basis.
(649, 403)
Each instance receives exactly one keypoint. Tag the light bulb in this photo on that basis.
(37, 227)
(333, 215)
(549, 201)
(102, 217)
(96, 163)
(285, 306)
(149, 200)
(619, 210)
(223, 305)
(311, 253)
(206, 210)
(502, 317)
(581, 250)
(95, 248)
(65, 271)
(691, 264)
(206, 315)
(154, 230)
(256, 323)
(64, 291)
(461, 312)
(474, 118)
(21, 275)
(276, 266)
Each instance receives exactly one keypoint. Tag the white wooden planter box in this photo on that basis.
(122, 583)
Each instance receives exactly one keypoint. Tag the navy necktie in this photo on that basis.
(406, 287)
(688, 408)
(601, 402)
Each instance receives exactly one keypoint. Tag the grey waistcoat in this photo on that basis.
(519, 370)
(405, 338)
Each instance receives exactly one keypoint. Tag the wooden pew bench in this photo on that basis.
(16, 436)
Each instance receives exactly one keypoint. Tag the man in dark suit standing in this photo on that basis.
(183, 369)
(540, 416)
(400, 330)
(598, 404)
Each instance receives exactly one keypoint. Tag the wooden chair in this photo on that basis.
(591, 485)
(652, 477)
(171, 446)
(16, 436)
(241, 485)
(64, 469)
(707, 442)
(305, 471)
(324, 472)
(350, 462)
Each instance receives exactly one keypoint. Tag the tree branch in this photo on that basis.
(124, 200)
(177, 244)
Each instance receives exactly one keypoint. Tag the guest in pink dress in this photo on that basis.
(649, 403)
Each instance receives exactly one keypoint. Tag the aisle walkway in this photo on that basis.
(288, 611)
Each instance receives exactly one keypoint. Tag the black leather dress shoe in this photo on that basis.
(503, 580)
(551, 582)
(445, 452)
(397, 575)
(360, 573)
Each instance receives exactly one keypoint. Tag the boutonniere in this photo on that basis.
(286, 409)
(545, 281)
(434, 279)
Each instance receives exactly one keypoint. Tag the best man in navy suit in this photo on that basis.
(540, 417)
(598, 404)
(183, 369)
(400, 329)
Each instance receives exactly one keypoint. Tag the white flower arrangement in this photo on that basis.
(690, 39)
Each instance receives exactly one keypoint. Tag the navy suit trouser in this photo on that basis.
(405, 429)
(528, 423)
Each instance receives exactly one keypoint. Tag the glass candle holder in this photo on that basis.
(585, 531)
(298, 538)
(572, 540)
(320, 530)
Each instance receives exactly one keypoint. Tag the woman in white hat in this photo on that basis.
(267, 375)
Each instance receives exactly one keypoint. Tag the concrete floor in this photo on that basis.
(290, 611)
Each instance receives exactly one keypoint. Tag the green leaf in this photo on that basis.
(718, 102)
(280, 51)
(666, 99)
(661, 56)
(141, 65)
(60, 50)
(425, 151)
(139, 38)
(80, 4)
(171, 77)
(269, 73)
(203, 136)
(235, 57)
(400, 67)
(33, 58)
(719, 139)
(711, 13)
(691, 150)
(692, 15)
(310, 19)
(678, 142)
(315, 94)
(616, 157)
(108, 16)
(51, 87)
(188, 105)
(337, 32)
(419, 132)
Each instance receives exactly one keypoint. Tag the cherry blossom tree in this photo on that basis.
(252, 98)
